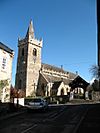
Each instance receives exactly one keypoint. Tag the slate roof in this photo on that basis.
(78, 82)
(51, 67)
(51, 78)
(57, 69)
(4, 47)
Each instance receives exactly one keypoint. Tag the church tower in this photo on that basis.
(28, 62)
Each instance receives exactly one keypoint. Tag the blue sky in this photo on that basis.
(68, 29)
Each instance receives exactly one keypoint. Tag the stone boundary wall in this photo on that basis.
(96, 95)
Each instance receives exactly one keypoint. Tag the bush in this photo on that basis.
(57, 99)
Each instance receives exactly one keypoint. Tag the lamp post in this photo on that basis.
(98, 38)
(99, 77)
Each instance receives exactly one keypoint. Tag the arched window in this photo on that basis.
(22, 51)
(62, 92)
(34, 52)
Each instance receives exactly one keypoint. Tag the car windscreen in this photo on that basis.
(36, 100)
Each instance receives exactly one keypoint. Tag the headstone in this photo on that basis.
(71, 95)
(86, 95)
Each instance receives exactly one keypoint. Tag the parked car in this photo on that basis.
(37, 103)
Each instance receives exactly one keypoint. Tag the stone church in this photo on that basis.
(35, 77)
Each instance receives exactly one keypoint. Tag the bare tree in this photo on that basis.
(94, 70)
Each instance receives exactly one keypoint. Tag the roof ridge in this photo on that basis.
(62, 70)
(53, 66)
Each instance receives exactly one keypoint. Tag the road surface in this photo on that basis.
(58, 119)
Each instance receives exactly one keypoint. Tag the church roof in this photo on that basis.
(51, 78)
(4, 47)
(51, 67)
(78, 82)
(57, 69)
